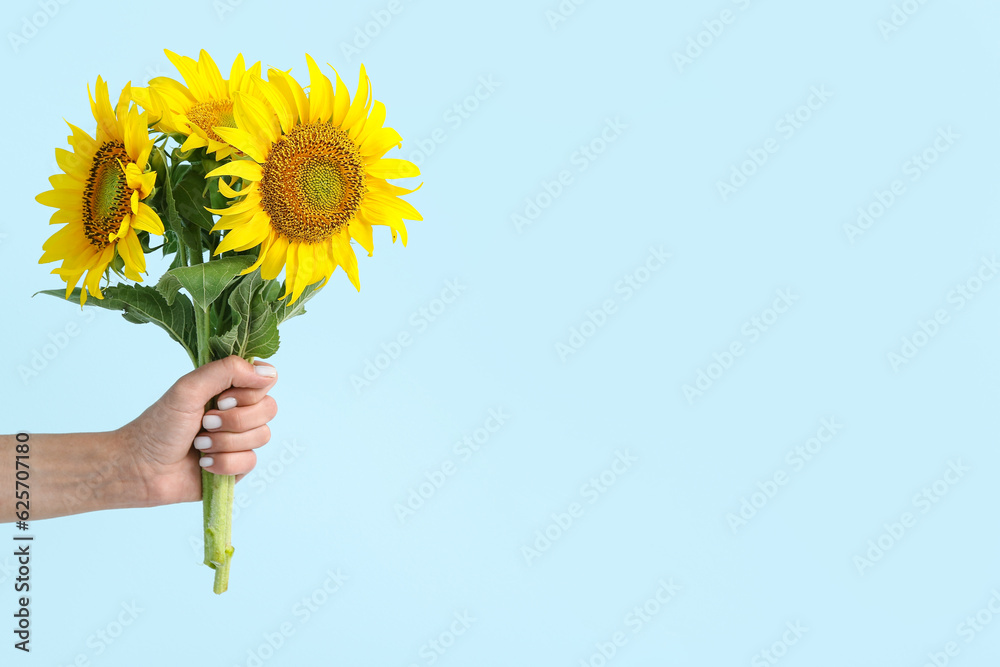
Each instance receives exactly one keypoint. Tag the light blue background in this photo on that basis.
(330, 506)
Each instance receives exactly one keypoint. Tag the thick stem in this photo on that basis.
(216, 490)
(207, 490)
(219, 529)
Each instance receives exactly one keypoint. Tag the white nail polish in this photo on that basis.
(266, 371)
(206, 461)
(227, 403)
(202, 442)
(211, 421)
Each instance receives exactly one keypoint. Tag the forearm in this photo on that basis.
(67, 474)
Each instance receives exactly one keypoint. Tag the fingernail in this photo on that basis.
(227, 403)
(202, 442)
(266, 371)
(211, 421)
(206, 461)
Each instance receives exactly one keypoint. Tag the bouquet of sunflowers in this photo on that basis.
(236, 180)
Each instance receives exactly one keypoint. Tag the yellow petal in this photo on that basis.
(381, 141)
(67, 237)
(124, 99)
(69, 199)
(261, 254)
(131, 251)
(342, 249)
(373, 124)
(246, 142)
(147, 220)
(227, 190)
(237, 208)
(72, 163)
(189, 70)
(304, 270)
(100, 106)
(193, 141)
(391, 168)
(246, 236)
(253, 116)
(210, 74)
(292, 92)
(388, 188)
(341, 103)
(143, 182)
(278, 103)
(362, 233)
(321, 100)
(275, 259)
(65, 215)
(236, 74)
(401, 207)
(362, 101)
(81, 141)
(93, 283)
(291, 269)
(65, 182)
(245, 169)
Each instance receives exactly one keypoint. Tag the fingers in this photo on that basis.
(241, 419)
(243, 396)
(195, 389)
(221, 441)
(230, 463)
(239, 425)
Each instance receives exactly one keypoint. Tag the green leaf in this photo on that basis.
(189, 195)
(189, 235)
(141, 304)
(168, 287)
(109, 302)
(205, 282)
(255, 332)
(285, 312)
(271, 291)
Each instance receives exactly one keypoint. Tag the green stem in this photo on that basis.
(216, 490)
(220, 528)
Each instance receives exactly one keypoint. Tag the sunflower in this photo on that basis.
(98, 196)
(206, 101)
(314, 180)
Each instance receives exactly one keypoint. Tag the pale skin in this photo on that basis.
(152, 460)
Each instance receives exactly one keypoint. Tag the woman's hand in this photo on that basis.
(167, 442)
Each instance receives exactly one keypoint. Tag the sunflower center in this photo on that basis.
(213, 113)
(106, 197)
(313, 182)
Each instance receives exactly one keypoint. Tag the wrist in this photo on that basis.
(109, 476)
(123, 477)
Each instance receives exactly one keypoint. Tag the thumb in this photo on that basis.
(194, 390)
